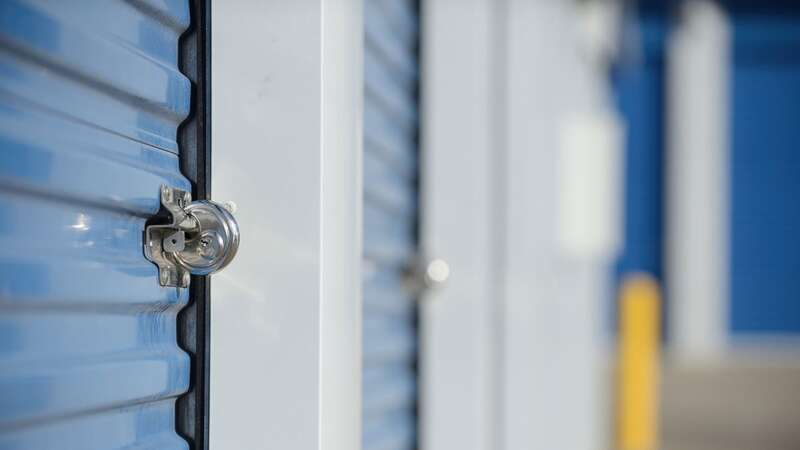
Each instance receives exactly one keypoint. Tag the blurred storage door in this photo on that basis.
(765, 186)
(90, 103)
(390, 222)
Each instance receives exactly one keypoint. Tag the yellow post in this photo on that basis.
(639, 342)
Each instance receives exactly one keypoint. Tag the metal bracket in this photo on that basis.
(162, 241)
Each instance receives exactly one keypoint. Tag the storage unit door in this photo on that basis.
(765, 163)
(390, 223)
(91, 100)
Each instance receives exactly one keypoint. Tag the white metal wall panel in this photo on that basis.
(458, 357)
(287, 87)
(390, 224)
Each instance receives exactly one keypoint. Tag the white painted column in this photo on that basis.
(286, 315)
(697, 182)
(560, 136)
(458, 155)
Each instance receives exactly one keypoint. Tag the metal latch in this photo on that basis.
(193, 238)
(424, 275)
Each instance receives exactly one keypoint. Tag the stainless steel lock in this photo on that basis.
(197, 238)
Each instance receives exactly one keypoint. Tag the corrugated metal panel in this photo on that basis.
(765, 216)
(90, 102)
(390, 222)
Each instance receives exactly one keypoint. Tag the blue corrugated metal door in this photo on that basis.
(390, 222)
(90, 103)
(765, 164)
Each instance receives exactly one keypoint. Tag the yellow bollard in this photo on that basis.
(639, 348)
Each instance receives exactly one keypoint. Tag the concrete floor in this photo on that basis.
(749, 403)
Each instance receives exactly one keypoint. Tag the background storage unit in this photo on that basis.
(91, 101)
(765, 216)
(390, 223)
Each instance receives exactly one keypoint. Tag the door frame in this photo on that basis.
(194, 141)
(286, 314)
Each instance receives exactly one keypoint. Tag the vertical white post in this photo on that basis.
(560, 135)
(697, 182)
(286, 315)
(458, 155)
(512, 346)
(341, 222)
